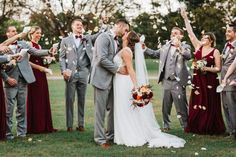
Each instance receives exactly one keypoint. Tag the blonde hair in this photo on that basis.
(33, 30)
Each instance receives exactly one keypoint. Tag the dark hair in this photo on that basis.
(212, 38)
(179, 29)
(76, 19)
(124, 21)
(234, 27)
(132, 38)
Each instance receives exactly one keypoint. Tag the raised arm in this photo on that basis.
(196, 43)
(127, 57)
(152, 53)
(13, 39)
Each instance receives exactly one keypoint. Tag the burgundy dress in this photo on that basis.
(2, 112)
(39, 118)
(205, 115)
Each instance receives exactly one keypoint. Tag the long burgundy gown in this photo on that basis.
(205, 115)
(39, 118)
(2, 112)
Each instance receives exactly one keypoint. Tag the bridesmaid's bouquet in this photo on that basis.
(199, 64)
(142, 95)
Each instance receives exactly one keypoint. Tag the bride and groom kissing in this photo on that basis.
(113, 78)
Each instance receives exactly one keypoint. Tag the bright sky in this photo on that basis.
(145, 7)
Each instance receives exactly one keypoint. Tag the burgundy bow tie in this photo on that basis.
(230, 45)
(78, 36)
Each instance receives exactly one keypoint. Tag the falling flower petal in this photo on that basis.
(196, 153)
(195, 107)
(204, 107)
(196, 92)
(209, 86)
(203, 148)
(178, 116)
(30, 139)
(164, 28)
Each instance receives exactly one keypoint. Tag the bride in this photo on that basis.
(135, 126)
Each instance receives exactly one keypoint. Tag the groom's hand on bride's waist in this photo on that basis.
(123, 71)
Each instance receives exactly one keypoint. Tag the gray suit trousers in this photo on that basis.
(19, 93)
(103, 102)
(229, 100)
(80, 88)
(174, 92)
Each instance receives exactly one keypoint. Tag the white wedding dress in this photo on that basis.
(137, 126)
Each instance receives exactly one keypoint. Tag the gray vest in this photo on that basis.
(170, 66)
(83, 59)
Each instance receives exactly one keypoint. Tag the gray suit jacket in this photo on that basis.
(23, 65)
(4, 59)
(103, 67)
(68, 56)
(226, 62)
(180, 66)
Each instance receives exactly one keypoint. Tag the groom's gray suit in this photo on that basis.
(229, 92)
(174, 75)
(103, 70)
(78, 60)
(23, 74)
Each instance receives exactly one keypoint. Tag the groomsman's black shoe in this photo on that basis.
(80, 129)
(69, 129)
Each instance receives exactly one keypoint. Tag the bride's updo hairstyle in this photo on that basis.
(132, 38)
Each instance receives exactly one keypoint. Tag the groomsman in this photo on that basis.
(229, 92)
(174, 75)
(75, 62)
(16, 79)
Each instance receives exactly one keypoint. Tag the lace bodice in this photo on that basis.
(118, 60)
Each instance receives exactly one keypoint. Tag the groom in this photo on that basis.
(103, 70)
(174, 76)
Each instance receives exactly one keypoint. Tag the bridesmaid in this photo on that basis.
(39, 118)
(205, 115)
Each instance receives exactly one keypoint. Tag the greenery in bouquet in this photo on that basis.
(199, 64)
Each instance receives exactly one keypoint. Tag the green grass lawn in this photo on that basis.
(77, 144)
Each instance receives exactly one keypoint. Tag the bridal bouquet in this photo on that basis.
(142, 95)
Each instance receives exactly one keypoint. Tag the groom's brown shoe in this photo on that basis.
(69, 129)
(105, 145)
(80, 129)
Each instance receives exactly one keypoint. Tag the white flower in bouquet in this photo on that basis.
(201, 64)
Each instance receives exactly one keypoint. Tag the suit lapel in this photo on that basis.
(112, 42)
(71, 40)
